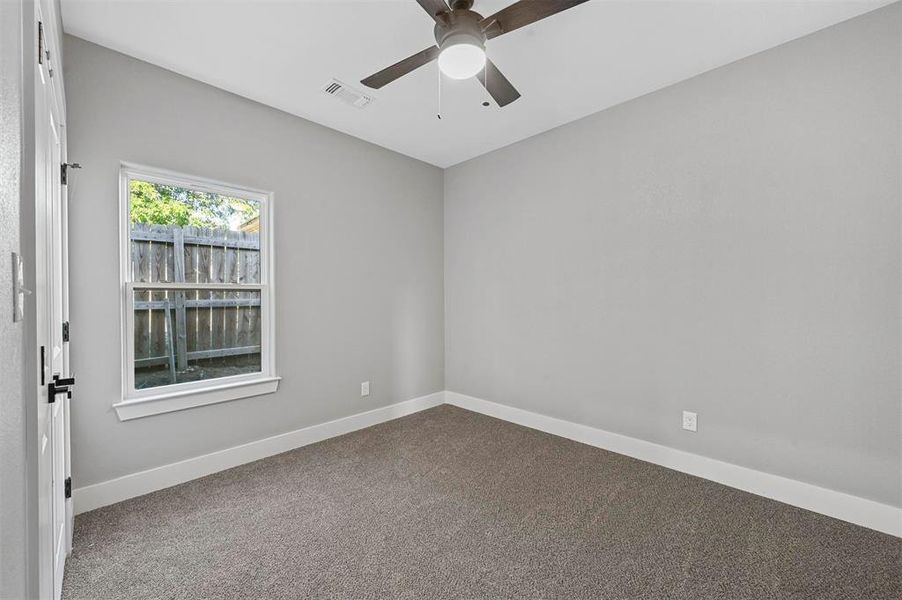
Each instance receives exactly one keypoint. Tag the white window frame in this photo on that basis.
(137, 403)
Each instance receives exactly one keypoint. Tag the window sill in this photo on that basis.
(173, 401)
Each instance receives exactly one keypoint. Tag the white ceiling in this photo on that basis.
(282, 52)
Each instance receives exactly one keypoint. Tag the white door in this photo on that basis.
(50, 253)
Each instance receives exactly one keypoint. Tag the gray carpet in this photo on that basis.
(451, 504)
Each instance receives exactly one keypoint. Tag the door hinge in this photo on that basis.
(68, 487)
(64, 171)
(40, 43)
(65, 331)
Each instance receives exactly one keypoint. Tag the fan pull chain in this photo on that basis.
(439, 71)
(485, 78)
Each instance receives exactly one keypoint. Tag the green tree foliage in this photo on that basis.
(159, 204)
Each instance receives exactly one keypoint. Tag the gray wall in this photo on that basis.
(358, 259)
(728, 245)
(12, 409)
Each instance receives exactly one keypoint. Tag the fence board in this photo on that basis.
(217, 314)
(199, 355)
(204, 317)
(181, 324)
(141, 256)
(142, 318)
(230, 275)
(169, 350)
(191, 276)
(159, 261)
(157, 236)
(253, 301)
(252, 317)
(142, 329)
(241, 333)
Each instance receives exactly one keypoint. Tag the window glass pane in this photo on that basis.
(183, 235)
(194, 335)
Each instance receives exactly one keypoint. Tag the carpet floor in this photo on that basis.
(448, 503)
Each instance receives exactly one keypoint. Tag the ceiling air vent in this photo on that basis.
(347, 94)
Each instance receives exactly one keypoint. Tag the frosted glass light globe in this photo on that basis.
(462, 60)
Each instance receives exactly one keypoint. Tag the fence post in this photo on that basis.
(181, 325)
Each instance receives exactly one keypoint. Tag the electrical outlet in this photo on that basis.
(690, 421)
(364, 389)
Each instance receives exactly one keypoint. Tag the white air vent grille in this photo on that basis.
(347, 94)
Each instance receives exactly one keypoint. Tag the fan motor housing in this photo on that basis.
(460, 26)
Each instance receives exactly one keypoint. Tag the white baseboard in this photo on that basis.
(867, 513)
(137, 484)
(860, 511)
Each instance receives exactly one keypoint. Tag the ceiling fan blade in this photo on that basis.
(522, 13)
(401, 68)
(434, 7)
(497, 84)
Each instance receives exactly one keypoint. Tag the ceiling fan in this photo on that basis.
(461, 34)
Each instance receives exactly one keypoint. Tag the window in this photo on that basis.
(197, 305)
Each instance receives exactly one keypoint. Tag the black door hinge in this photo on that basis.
(65, 331)
(64, 171)
(68, 487)
(40, 43)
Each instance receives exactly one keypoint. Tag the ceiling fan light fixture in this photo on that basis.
(462, 56)
(460, 36)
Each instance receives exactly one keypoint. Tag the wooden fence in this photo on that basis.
(174, 327)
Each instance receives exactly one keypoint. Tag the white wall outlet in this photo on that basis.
(690, 421)
(364, 389)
